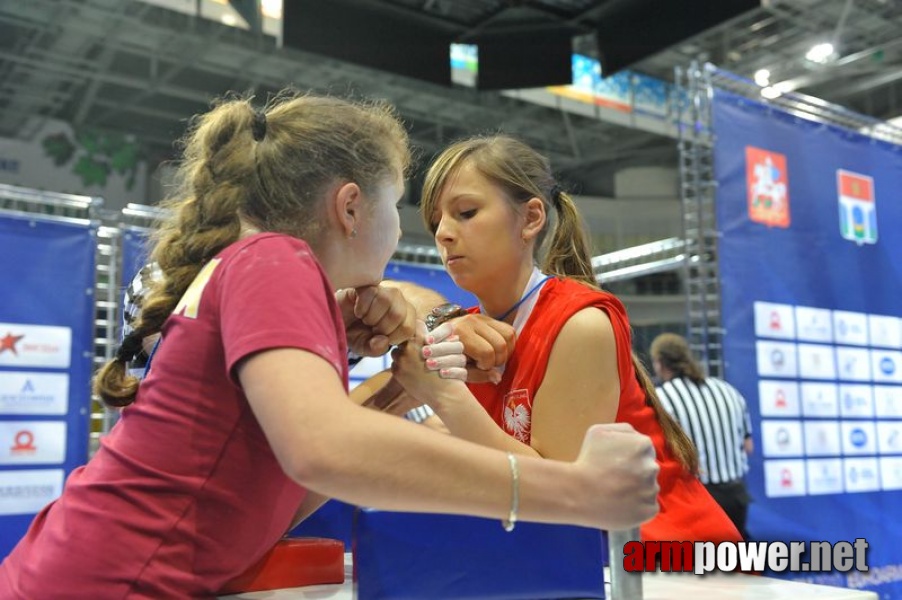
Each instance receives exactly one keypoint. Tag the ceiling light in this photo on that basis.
(229, 19)
(762, 77)
(770, 92)
(820, 53)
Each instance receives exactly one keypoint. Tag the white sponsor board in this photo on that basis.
(778, 398)
(885, 331)
(862, 474)
(853, 364)
(776, 359)
(889, 437)
(825, 476)
(819, 399)
(32, 442)
(888, 401)
(891, 472)
(27, 492)
(33, 393)
(814, 324)
(856, 400)
(781, 437)
(23, 345)
(886, 365)
(850, 328)
(822, 438)
(816, 361)
(859, 437)
(774, 320)
(784, 478)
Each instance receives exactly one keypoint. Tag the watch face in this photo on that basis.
(444, 311)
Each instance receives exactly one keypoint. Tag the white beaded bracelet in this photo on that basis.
(511, 520)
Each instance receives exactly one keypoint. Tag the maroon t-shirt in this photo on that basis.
(185, 492)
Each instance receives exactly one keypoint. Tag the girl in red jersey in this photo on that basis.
(489, 201)
(278, 234)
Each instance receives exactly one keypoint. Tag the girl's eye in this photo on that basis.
(468, 214)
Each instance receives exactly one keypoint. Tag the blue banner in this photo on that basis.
(46, 356)
(811, 276)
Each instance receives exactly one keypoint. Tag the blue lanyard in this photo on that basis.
(532, 291)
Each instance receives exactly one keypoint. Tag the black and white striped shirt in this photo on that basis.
(715, 416)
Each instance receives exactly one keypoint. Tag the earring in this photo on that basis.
(353, 233)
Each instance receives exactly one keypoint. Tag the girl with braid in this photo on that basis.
(490, 203)
(280, 230)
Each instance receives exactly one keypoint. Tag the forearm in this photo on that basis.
(394, 465)
(465, 418)
(329, 445)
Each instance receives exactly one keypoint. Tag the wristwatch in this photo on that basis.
(442, 313)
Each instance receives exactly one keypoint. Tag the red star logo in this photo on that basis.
(9, 343)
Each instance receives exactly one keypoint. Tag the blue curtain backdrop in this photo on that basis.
(811, 270)
(46, 354)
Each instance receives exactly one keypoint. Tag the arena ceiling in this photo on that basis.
(144, 67)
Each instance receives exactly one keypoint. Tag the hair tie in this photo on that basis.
(131, 346)
(258, 127)
(555, 195)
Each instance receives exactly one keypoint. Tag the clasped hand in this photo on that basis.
(376, 318)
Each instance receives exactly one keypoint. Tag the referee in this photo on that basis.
(714, 414)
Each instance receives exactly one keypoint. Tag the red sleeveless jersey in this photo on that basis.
(688, 512)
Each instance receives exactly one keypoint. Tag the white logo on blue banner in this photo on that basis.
(825, 476)
(816, 361)
(850, 328)
(814, 324)
(861, 474)
(853, 364)
(27, 492)
(778, 398)
(889, 437)
(776, 359)
(24, 345)
(888, 401)
(819, 399)
(33, 393)
(822, 438)
(858, 437)
(784, 478)
(891, 472)
(774, 320)
(885, 331)
(32, 442)
(856, 401)
(886, 365)
(781, 438)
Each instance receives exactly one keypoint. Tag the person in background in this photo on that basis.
(715, 415)
(490, 203)
(279, 231)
